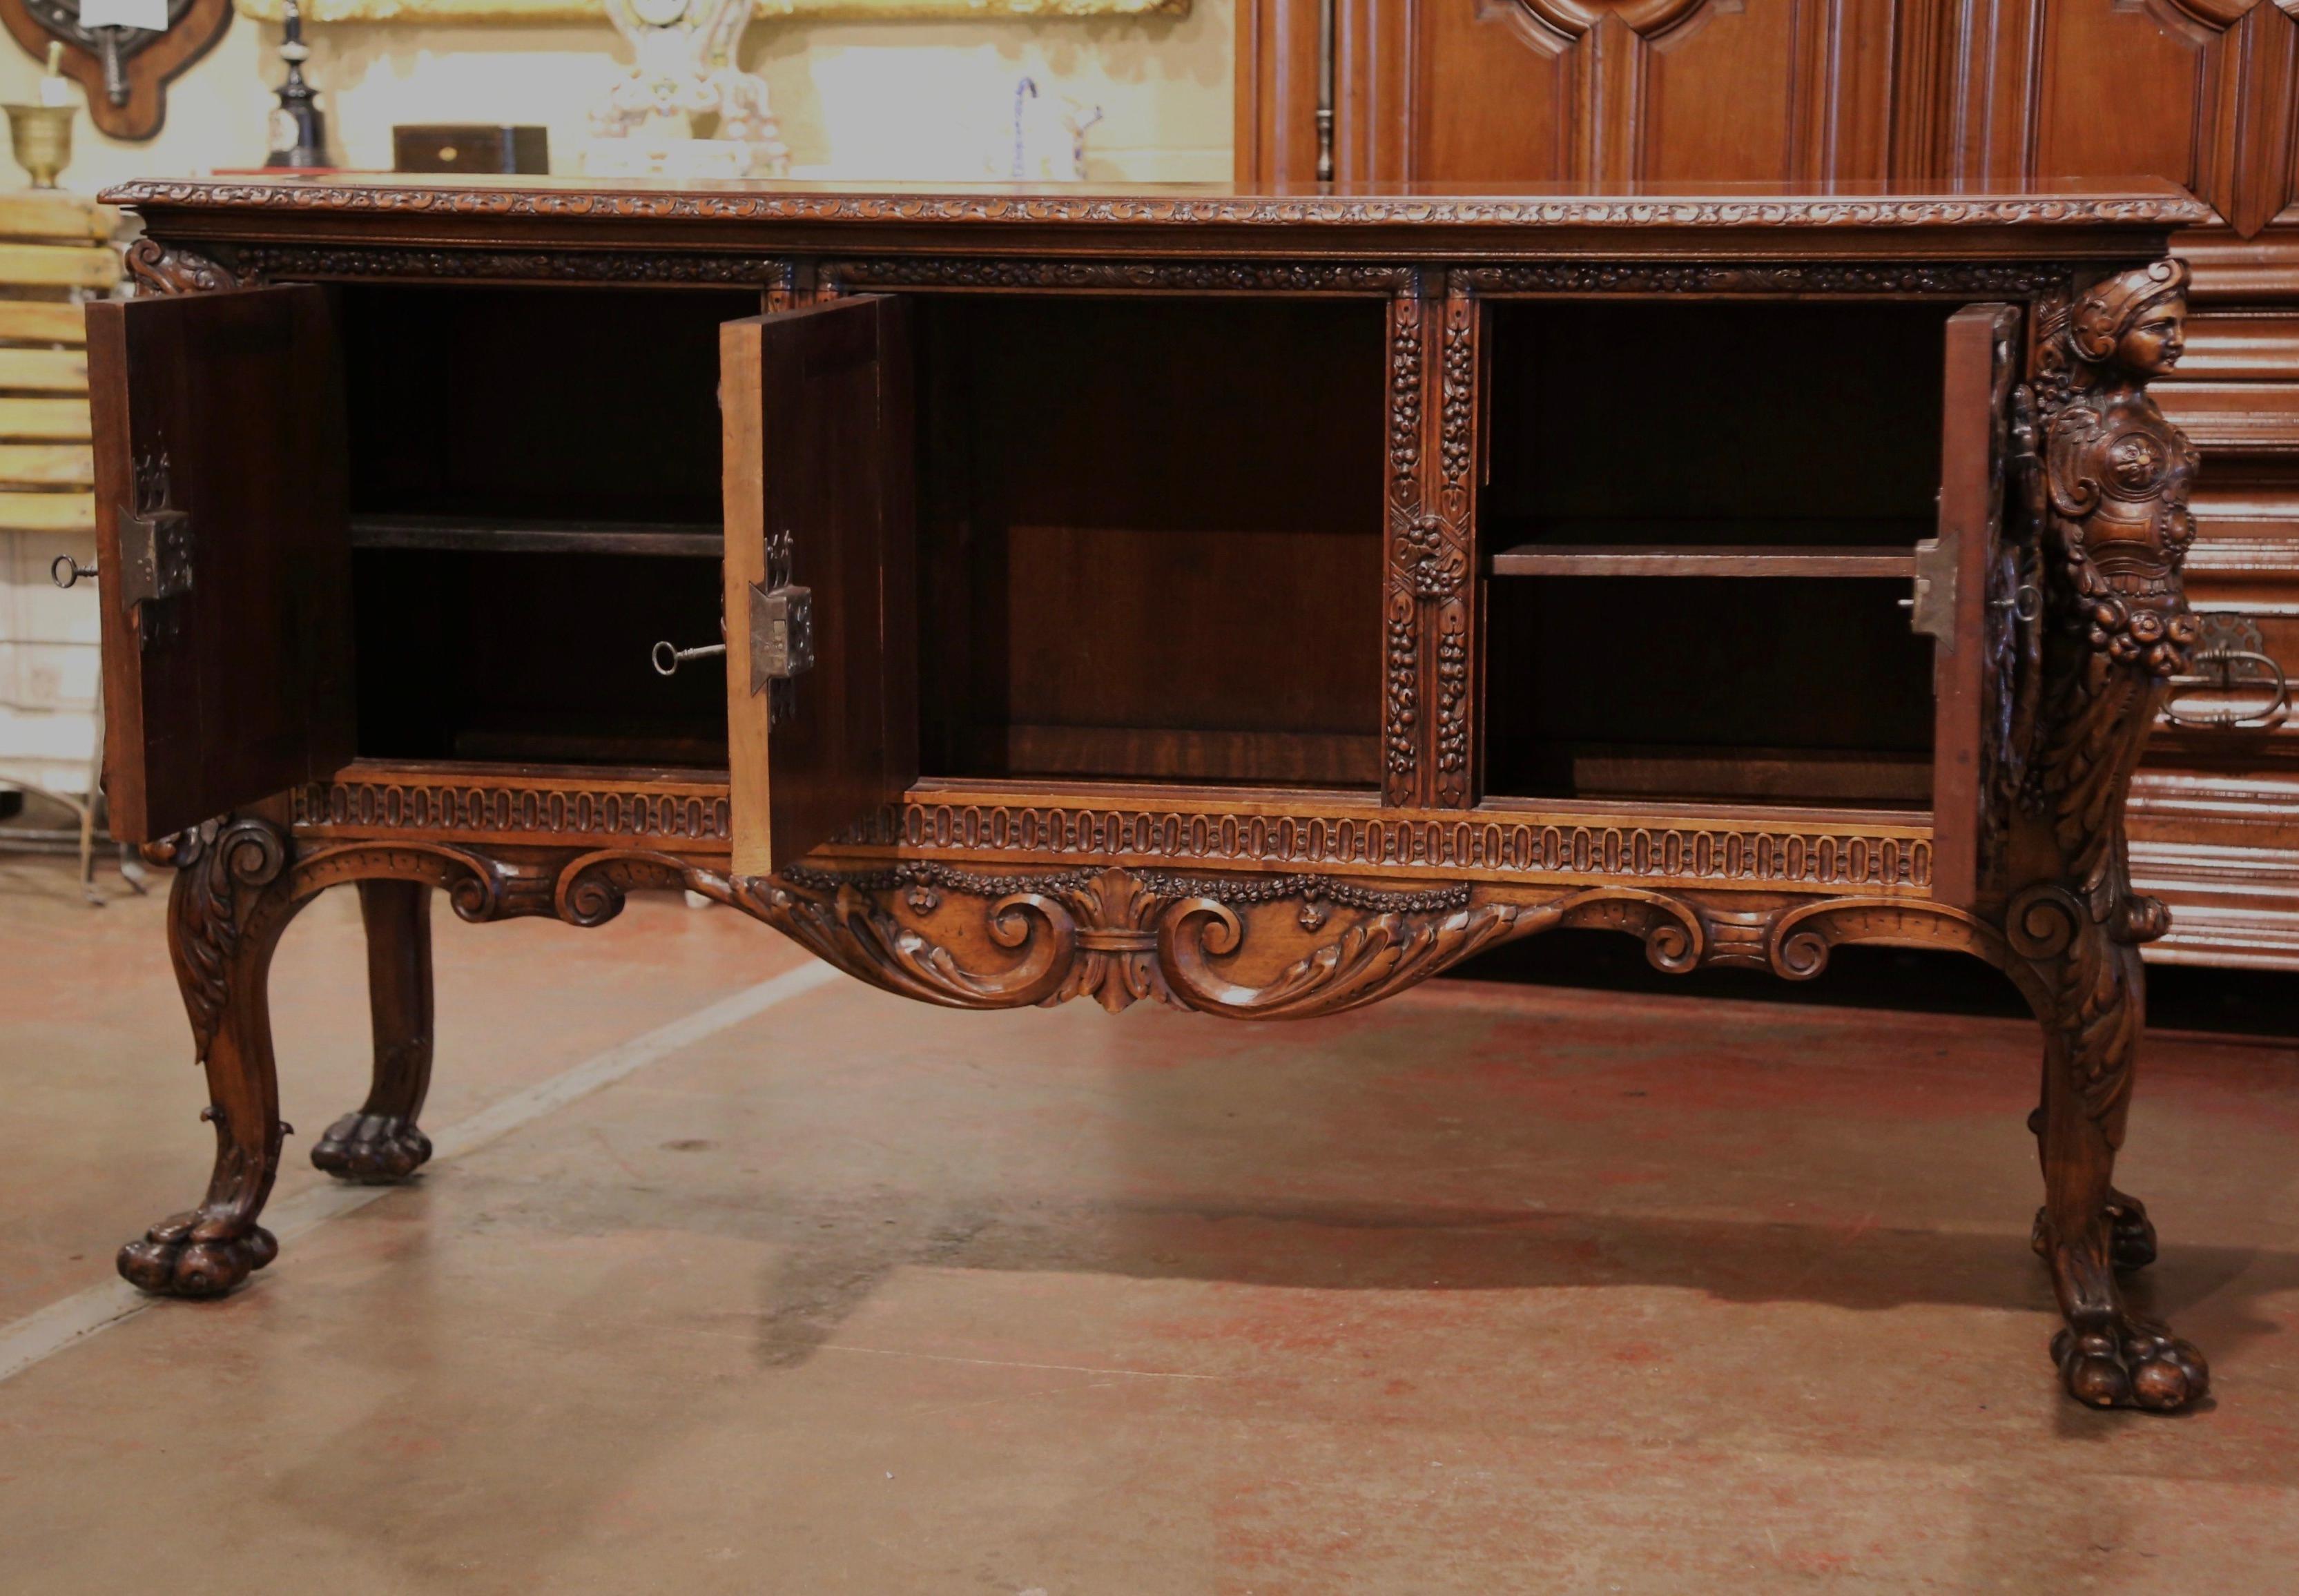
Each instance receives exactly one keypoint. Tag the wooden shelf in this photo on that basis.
(1703, 559)
(676, 540)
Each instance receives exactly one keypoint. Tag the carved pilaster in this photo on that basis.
(1408, 541)
(1428, 625)
(1454, 496)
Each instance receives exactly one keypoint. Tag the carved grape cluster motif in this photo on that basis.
(2142, 636)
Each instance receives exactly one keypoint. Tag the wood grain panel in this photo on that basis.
(2198, 91)
(2236, 417)
(1505, 91)
(1795, 90)
(2225, 345)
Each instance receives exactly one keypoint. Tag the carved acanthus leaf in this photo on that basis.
(158, 268)
(223, 867)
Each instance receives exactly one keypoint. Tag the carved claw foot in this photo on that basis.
(2130, 1363)
(372, 1149)
(2132, 1234)
(181, 1257)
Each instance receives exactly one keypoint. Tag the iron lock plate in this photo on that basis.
(155, 555)
(1932, 610)
(782, 633)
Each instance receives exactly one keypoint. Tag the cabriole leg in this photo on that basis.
(229, 903)
(2130, 1233)
(379, 1144)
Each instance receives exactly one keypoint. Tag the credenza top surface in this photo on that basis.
(2072, 204)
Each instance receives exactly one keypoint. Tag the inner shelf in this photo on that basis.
(682, 540)
(1696, 559)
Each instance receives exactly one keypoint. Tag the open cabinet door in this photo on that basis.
(821, 543)
(1954, 575)
(223, 549)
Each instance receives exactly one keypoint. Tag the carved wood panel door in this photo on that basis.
(224, 547)
(1967, 594)
(1600, 92)
(821, 549)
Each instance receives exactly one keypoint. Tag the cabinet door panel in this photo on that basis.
(816, 407)
(223, 539)
(1961, 573)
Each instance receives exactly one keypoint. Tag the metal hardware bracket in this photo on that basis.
(782, 633)
(155, 555)
(1932, 610)
(2229, 663)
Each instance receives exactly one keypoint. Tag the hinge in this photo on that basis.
(1932, 608)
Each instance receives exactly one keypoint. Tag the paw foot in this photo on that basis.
(372, 1149)
(180, 1258)
(2130, 1364)
(2130, 1233)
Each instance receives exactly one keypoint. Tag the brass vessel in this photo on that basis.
(41, 136)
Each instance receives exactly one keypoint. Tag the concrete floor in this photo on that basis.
(1488, 1289)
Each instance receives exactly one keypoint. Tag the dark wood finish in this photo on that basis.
(1211, 489)
(378, 1143)
(228, 905)
(1694, 559)
(2108, 482)
(470, 149)
(817, 451)
(679, 539)
(1779, 92)
(1976, 613)
(1163, 479)
(486, 403)
(241, 686)
(473, 655)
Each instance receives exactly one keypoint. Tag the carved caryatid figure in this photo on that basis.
(2112, 501)
(2119, 473)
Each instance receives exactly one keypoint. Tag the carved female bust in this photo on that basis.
(2120, 473)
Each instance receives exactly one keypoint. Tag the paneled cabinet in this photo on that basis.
(1847, 93)
(1252, 602)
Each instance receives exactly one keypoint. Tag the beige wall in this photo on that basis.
(888, 100)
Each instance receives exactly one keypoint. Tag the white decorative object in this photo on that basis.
(683, 68)
(1048, 136)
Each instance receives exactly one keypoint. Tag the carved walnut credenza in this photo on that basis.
(1258, 604)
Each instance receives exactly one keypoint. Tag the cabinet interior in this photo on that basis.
(1149, 537)
(1699, 521)
(1150, 534)
(535, 496)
